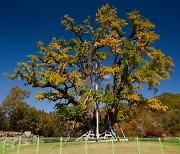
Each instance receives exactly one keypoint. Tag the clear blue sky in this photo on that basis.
(23, 23)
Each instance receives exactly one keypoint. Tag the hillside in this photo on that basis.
(151, 123)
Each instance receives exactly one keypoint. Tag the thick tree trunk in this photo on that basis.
(89, 87)
(111, 117)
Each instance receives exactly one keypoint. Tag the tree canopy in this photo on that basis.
(69, 69)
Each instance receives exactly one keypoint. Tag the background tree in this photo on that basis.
(46, 124)
(17, 115)
(2, 119)
(14, 107)
(30, 121)
(69, 68)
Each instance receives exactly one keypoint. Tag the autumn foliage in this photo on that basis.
(68, 69)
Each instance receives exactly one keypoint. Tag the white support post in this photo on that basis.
(97, 111)
(97, 122)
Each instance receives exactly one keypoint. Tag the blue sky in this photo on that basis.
(23, 23)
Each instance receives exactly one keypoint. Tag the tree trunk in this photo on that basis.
(89, 87)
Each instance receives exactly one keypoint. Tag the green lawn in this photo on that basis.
(147, 147)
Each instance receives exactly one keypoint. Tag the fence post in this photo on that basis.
(86, 146)
(37, 148)
(160, 145)
(19, 145)
(139, 151)
(60, 150)
(112, 141)
(4, 147)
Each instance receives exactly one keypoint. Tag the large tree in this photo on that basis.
(69, 69)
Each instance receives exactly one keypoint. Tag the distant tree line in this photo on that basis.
(18, 115)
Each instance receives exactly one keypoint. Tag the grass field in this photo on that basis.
(130, 147)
